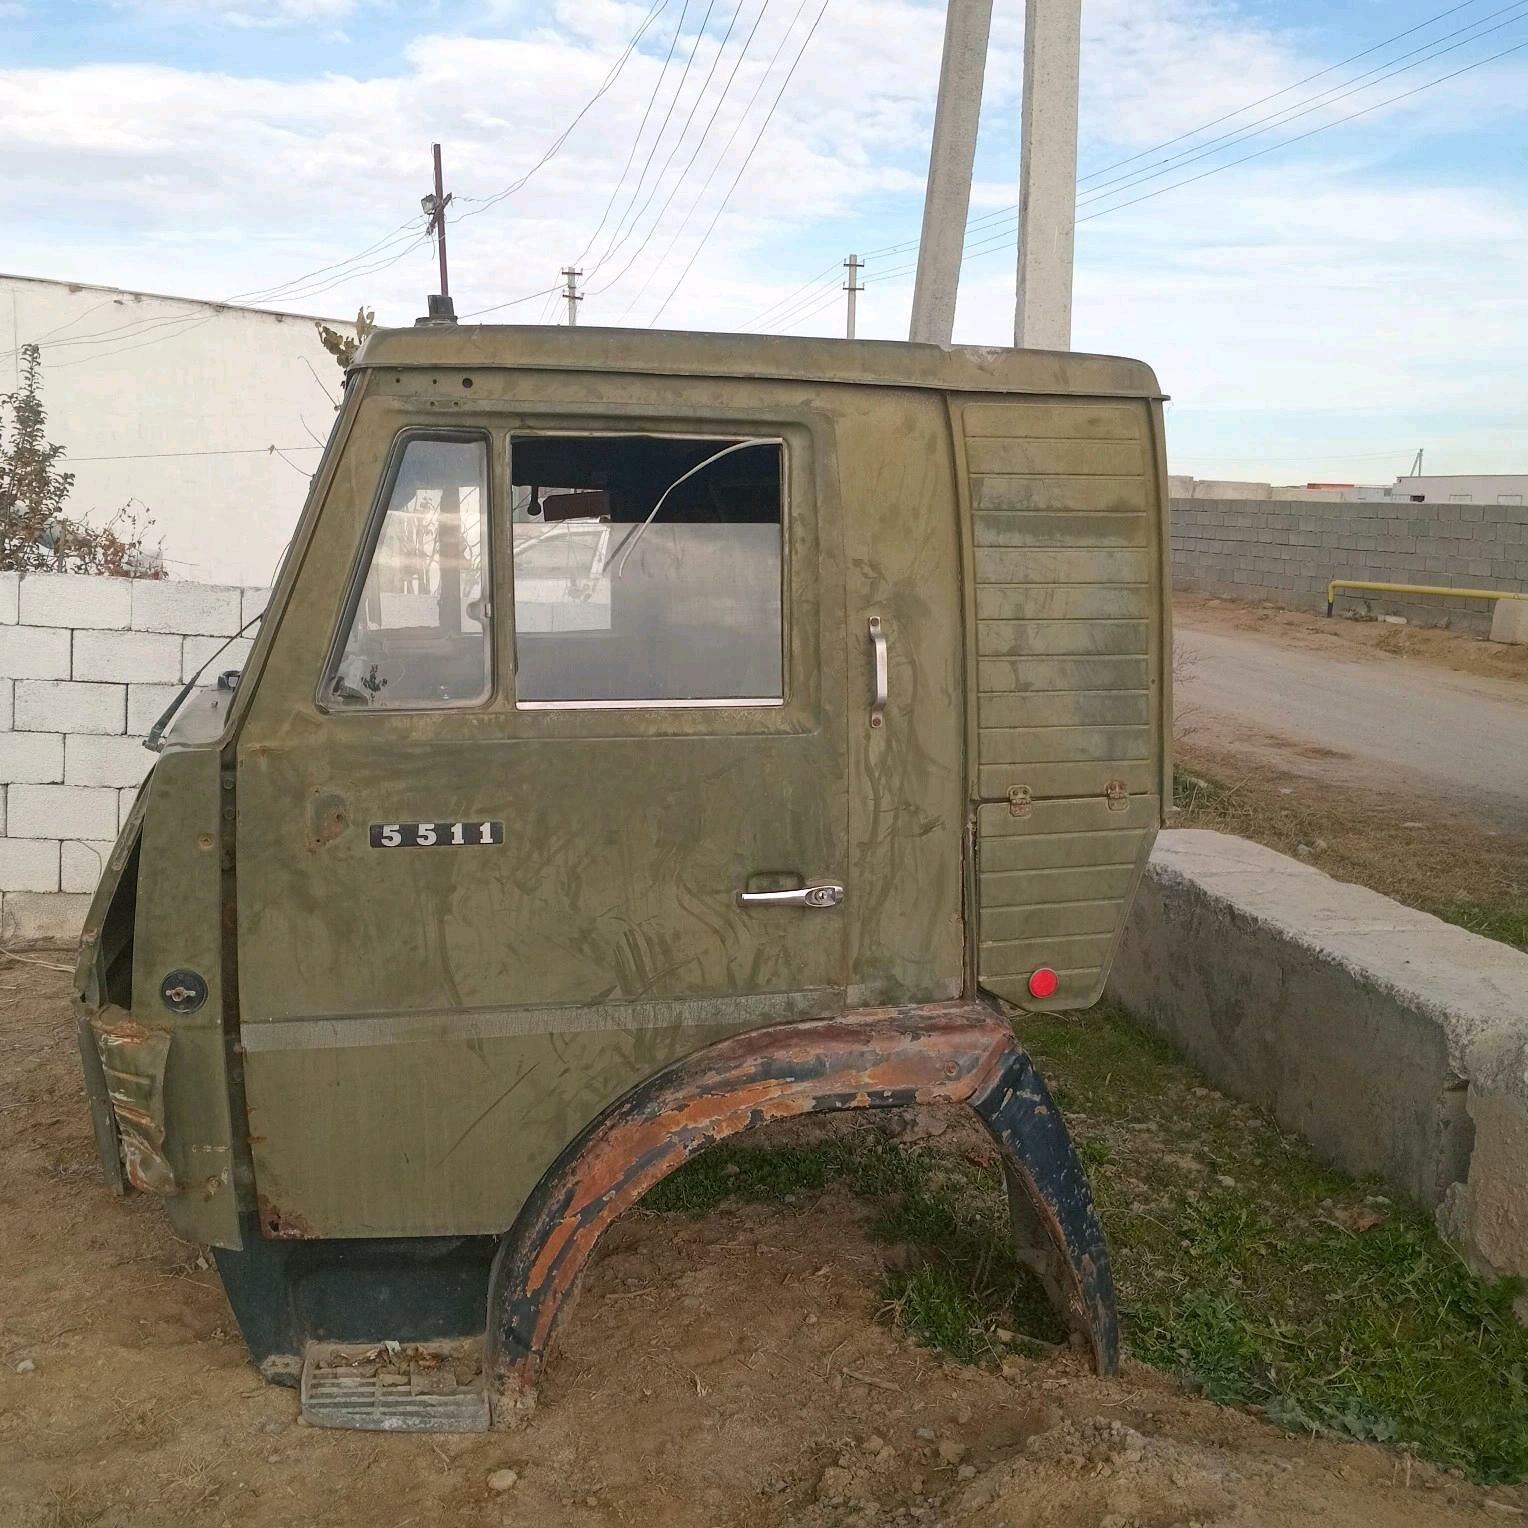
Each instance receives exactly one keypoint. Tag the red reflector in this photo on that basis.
(1043, 983)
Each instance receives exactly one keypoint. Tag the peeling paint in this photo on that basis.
(133, 1058)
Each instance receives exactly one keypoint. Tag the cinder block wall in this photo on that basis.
(1285, 551)
(87, 665)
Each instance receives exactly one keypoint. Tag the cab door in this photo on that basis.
(543, 783)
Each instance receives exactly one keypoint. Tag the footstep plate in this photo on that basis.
(395, 1386)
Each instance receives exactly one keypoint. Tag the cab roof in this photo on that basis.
(677, 353)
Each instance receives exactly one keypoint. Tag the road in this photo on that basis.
(1378, 719)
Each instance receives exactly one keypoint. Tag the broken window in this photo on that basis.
(419, 635)
(647, 569)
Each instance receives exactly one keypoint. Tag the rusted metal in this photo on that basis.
(277, 1224)
(1020, 799)
(133, 1058)
(950, 1053)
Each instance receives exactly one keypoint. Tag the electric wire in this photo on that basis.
(753, 147)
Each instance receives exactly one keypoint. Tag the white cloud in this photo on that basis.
(1304, 280)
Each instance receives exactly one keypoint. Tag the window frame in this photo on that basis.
(355, 584)
(721, 437)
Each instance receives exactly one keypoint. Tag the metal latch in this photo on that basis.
(1117, 794)
(828, 894)
(1020, 798)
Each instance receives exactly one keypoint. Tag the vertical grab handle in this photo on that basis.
(878, 657)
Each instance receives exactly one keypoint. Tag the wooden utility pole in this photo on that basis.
(435, 206)
(853, 288)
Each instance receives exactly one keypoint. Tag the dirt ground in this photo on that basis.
(724, 1371)
(1349, 638)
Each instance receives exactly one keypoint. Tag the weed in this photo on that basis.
(1243, 1264)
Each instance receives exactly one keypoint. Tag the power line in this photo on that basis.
(514, 302)
(830, 272)
(632, 154)
(156, 456)
(753, 147)
(1326, 98)
(689, 164)
(482, 204)
(1300, 137)
(629, 219)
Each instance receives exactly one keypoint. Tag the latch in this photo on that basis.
(1117, 794)
(1020, 798)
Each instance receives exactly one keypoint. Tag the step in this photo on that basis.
(396, 1386)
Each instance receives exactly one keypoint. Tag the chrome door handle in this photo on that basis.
(828, 895)
(878, 655)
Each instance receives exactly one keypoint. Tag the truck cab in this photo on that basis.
(631, 709)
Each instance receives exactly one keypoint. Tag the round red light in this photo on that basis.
(1043, 983)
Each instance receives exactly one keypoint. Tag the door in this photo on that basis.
(566, 797)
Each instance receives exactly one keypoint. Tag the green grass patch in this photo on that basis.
(1505, 922)
(1243, 1265)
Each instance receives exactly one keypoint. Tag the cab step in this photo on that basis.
(395, 1386)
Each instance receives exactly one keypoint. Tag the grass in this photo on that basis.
(1418, 854)
(1243, 1264)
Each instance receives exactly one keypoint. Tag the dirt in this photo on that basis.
(726, 1371)
(1351, 638)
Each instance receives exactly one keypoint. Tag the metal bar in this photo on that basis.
(1464, 594)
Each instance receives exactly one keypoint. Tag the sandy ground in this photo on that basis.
(1312, 697)
(727, 1371)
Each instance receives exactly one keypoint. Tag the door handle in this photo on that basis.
(878, 657)
(828, 895)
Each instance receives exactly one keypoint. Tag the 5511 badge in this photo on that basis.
(435, 835)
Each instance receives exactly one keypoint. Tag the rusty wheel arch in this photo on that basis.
(944, 1053)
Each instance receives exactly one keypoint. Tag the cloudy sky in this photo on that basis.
(1317, 311)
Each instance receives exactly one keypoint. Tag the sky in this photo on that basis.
(1318, 311)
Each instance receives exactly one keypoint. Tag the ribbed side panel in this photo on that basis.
(1066, 548)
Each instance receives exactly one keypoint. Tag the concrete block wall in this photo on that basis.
(87, 665)
(1285, 551)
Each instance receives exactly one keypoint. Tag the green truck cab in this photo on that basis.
(649, 735)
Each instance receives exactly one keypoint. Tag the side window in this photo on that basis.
(419, 635)
(648, 569)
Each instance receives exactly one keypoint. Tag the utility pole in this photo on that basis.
(967, 25)
(570, 291)
(441, 309)
(855, 266)
(1048, 174)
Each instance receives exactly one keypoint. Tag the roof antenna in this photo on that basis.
(440, 308)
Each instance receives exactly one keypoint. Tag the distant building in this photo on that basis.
(210, 416)
(1478, 488)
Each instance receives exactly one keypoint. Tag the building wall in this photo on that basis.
(1286, 551)
(87, 665)
(1481, 488)
(177, 404)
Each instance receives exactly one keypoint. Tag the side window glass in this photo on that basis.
(420, 635)
(647, 569)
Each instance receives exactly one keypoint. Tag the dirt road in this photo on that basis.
(718, 1373)
(1358, 715)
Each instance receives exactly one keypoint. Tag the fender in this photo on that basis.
(942, 1053)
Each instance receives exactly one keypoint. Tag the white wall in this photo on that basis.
(177, 403)
(1480, 488)
(87, 665)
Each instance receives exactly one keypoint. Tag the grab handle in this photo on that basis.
(878, 657)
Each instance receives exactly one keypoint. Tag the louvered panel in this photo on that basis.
(1089, 495)
(1060, 639)
(1052, 421)
(1066, 708)
(1038, 458)
(1059, 528)
(1062, 602)
(1065, 543)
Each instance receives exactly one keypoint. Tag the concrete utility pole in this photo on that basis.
(855, 265)
(570, 291)
(435, 205)
(967, 25)
(1048, 175)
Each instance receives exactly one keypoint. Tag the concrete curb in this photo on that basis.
(1395, 1043)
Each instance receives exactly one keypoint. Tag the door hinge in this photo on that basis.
(1019, 799)
(1117, 794)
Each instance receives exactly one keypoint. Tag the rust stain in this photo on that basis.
(277, 1225)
